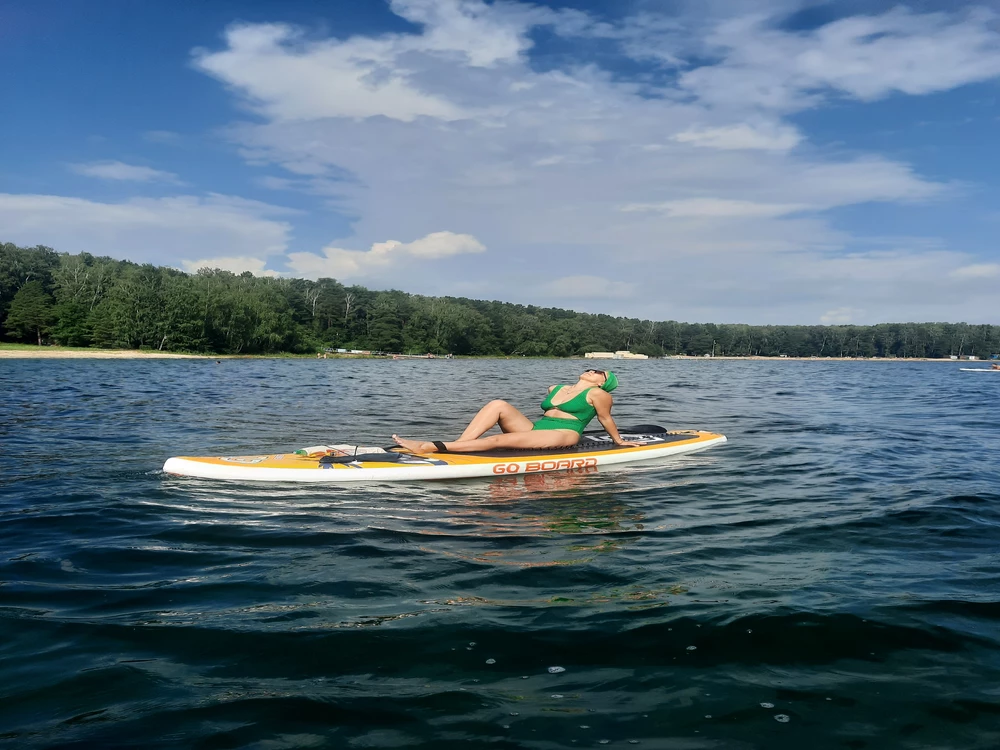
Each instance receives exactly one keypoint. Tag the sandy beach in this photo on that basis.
(46, 352)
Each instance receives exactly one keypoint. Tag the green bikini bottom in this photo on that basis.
(555, 423)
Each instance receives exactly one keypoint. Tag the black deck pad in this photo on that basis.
(590, 441)
(360, 457)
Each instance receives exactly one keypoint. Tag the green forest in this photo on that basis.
(48, 297)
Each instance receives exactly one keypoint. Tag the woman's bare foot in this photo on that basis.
(415, 446)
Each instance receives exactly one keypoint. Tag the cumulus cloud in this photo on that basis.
(355, 78)
(116, 170)
(694, 176)
(340, 263)
(363, 77)
(234, 264)
(866, 57)
(470, 30)
(161, 230)
(443, 244)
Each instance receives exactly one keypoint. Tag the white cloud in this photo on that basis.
(977, 271)
(353, 78)
(479, 34)
(236, 265)
(162, 230)
(587, 287)
(866, 57)
(116, 170)
(767, 137)
(339, 263)
(443, 245)
(723, 206)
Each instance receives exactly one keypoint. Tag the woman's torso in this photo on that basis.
(576, 407)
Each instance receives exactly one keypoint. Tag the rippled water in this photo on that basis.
(828, 578)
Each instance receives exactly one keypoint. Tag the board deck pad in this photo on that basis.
(590, 442)
(594, 449)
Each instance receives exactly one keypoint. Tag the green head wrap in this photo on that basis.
(610, 383)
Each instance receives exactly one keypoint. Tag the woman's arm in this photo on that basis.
(602, 401)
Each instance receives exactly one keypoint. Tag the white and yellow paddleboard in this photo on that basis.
(335, 464)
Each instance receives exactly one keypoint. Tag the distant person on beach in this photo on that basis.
(567, 411)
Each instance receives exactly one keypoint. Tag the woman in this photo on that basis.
(567, 409)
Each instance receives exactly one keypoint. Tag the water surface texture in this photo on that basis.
(828, 578)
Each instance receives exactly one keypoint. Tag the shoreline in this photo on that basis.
(46, 352)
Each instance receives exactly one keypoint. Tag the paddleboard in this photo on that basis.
(977, 369)
(327, 464)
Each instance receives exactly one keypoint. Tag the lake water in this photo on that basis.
(828, 578)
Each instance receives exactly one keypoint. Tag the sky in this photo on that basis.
(751, 161)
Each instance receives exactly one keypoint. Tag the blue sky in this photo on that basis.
(762, 162)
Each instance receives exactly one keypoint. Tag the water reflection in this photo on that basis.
(515, 523)
(566, 502)
(517, 487)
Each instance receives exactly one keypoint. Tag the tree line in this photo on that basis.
(84, 300)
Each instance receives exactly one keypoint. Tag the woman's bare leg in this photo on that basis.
(537, 439)
(496, 413)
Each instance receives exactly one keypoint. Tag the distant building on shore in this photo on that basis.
(356, 352)
(614, 355)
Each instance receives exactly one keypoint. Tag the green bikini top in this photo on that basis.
(576, 406)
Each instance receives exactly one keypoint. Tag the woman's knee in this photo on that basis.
(498, 403)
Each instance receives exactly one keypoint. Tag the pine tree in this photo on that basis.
(31, 312)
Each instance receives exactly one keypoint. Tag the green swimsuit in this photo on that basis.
(577, 406)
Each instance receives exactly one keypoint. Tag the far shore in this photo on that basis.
(55, 352)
